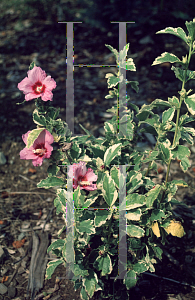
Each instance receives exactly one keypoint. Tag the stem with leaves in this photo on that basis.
(182, 97)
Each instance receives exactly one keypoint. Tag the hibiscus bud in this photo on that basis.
(184, 59)
(160, 170)
(66, 146)
(88, 250)
(115, 217)
(101, 252)
(56, 137)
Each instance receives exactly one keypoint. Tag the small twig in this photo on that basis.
(38, 193)
(61, 170)
(27, 193)
(51, 190)
(161, 277)
(47, 219)
(21, 284)
(27, 179)
(191, 175)
(171, 258)
(29, 229)
(41, 295)
(13, 275)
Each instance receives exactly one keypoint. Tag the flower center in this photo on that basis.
(84, 183)
(40, 151)
(38, 88)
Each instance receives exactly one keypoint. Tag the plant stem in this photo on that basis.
(70, 160)
(182, 97)
(151, 161)
(109, 234)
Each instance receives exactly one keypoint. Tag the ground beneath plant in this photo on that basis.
(23, 206)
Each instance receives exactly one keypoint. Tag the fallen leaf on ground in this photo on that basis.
(18, 244)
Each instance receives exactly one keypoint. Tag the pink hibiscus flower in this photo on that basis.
(40, 149)
(82, 176)
(37, 85)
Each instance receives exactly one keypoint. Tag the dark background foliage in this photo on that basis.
(30, 29)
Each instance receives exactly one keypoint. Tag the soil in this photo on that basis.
(22, 204)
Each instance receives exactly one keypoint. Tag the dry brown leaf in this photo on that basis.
(18, 244)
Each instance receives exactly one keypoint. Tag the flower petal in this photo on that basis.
(38, 161)
(49, 150)
(75, 185)
(25, 136)
(82, 168)
(78, 170)
(47, 96)
(44, 136)
(25, 85)
(36, 74)
(31, 96)
(49, 83)
(27, 153)
(49, 137)
(90, 175)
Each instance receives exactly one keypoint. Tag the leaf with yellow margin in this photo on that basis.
(175, 228)
(155, 229)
